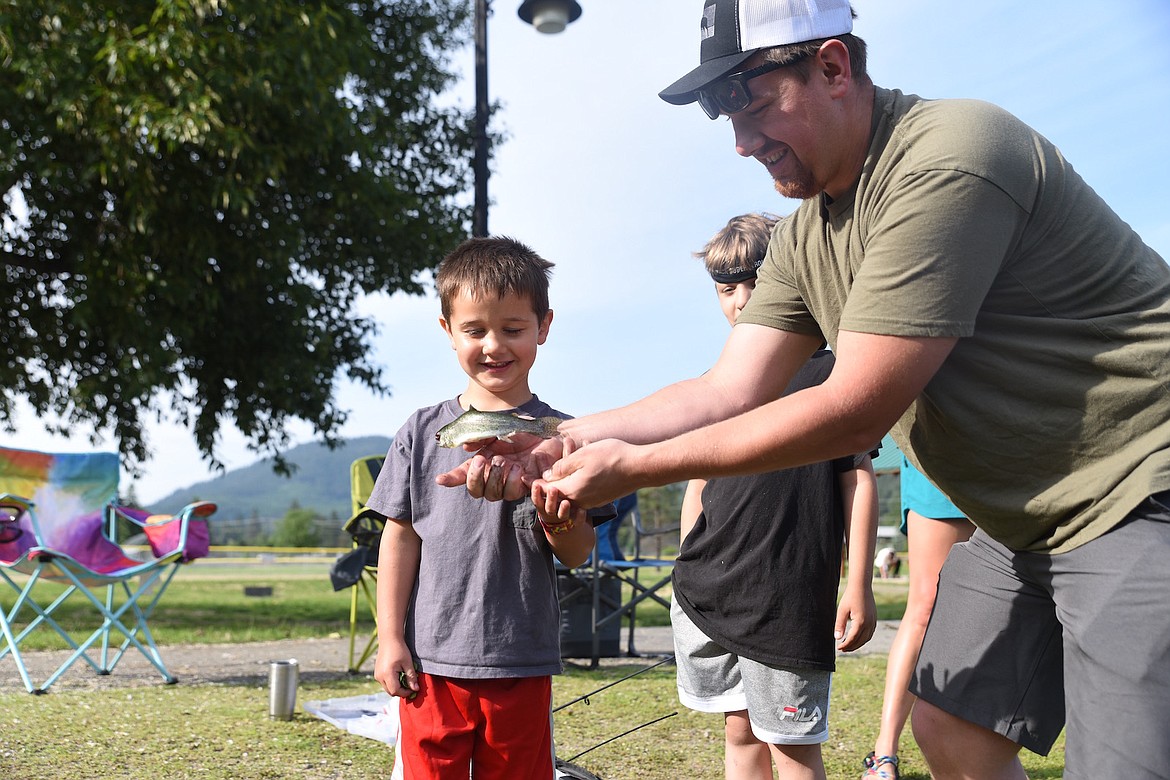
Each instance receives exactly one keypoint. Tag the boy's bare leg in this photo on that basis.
(744, 756)
(799, 762)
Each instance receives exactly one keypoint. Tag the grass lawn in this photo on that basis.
(220, 731)
(223, 732)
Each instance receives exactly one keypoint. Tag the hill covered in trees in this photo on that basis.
(319, 483)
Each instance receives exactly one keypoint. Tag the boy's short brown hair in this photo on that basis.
(498, 266)
(740, 245)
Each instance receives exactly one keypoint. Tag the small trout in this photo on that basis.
(474, 425)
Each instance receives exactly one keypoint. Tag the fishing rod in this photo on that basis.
(668, 660)
(585, 698)
(624, 733)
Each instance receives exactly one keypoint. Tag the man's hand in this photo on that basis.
(595, 474)
(583, 430)
(505, 470)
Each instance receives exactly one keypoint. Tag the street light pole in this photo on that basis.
(479, 215)
(547, 16)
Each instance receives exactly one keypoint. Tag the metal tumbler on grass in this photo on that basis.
(282, 689)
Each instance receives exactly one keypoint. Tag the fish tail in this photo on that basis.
(550, 424)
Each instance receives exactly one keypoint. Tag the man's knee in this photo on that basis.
(948, 742)
(930, 725)
(944, 737)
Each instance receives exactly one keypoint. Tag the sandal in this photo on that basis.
(875, 767)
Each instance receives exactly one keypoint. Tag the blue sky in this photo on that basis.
(618, 188)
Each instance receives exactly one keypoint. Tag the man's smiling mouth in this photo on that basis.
(773, 158)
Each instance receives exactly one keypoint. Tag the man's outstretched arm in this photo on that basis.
(756, 365)
(874, 380)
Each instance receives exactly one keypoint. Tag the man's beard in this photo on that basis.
(800, 187)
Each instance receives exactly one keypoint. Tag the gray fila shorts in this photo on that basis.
(786, 706)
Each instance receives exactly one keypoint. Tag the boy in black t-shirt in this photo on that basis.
(755, 584)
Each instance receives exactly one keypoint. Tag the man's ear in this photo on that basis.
(832, 64)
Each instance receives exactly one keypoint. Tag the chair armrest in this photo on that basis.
(185, 532)
(644, 531)
(641, 531)
(13, 501)
(195, 540)
(199, 509)
(12, 509)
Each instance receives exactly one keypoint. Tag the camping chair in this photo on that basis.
(358, 569)
(58, 524)
(609, 570)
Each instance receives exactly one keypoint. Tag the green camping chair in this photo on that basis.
(358, 569)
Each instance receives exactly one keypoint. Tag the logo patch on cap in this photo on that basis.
(707, 26)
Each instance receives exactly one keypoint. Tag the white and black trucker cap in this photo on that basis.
(733, 30)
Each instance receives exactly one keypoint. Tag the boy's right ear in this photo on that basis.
(447, 329)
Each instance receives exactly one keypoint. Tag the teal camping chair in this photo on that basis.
(58, 542)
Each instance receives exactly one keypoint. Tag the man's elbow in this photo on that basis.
(862, 438)
(861, 421)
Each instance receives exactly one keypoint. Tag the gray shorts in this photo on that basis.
(1017, 639)
(785, 706)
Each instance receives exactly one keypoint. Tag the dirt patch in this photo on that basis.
(237, 664)
(247, 664)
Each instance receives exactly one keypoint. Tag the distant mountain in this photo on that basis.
(320, 482)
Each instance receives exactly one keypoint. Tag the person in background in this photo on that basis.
(933, 525)
(888, 563)
(468, 618)
(754, 614)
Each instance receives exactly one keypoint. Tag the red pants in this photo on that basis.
(456, 728)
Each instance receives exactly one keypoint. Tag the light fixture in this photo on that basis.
(549, 16)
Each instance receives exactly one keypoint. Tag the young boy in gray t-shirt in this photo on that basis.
(468, 619)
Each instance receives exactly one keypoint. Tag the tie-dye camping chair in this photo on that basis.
(58, 532)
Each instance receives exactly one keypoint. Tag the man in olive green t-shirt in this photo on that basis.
(1007, 327)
